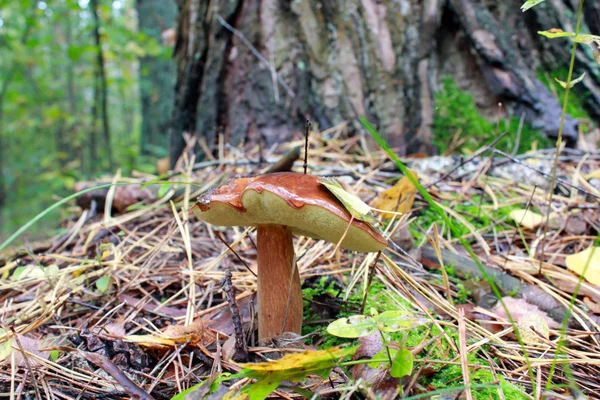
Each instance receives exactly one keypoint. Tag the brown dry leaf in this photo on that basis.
(175, 335)
(594, 307)
(380, 380)
(30, 345)
(587, 261)
(521, 310)
(398, 198)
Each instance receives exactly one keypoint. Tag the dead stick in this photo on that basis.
(241, 351)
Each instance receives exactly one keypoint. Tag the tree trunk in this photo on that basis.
(157, 74)
(101, 87)
(379, 58)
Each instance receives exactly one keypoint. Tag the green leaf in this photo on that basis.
(402, 364)
(102, 284)
(162, 190)
(398, 320)
(530, 3)
(54, 354)
(382, 354)
(572, 83)
(259, 390)
(353, 327)
(355, 206)
(555, 33)
(587, 39)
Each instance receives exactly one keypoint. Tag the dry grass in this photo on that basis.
(165, 269)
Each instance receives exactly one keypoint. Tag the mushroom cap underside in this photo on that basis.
(291, 199)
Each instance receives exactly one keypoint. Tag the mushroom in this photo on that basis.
(279, 205)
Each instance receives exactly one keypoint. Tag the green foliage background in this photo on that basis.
(47, 72)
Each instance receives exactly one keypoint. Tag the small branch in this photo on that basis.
(306, 132)
(241, 350)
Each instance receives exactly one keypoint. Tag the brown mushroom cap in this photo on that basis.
(291, 199)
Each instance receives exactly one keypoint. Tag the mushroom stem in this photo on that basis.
(275, 264)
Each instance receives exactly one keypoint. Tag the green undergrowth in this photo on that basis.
(477, 211)
(456, 112)
(443, 376)
(452, 375)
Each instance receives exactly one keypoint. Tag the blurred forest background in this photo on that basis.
(74, 75)
(89, 86)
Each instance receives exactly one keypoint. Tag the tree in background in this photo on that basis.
(157, 74)
(258, 68)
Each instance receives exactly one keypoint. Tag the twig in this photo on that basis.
(241, 351)
(218, 235)
(468, 160)
(370, 279)
(26, 358)
(110, 368)
(306, 132)
(557, 179)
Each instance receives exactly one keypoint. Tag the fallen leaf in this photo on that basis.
(520, 309)
(595, 174)
(35, 271)
(293, 367)
(528, 323)
(376, 374)
(398, 198)
(175, 335)
(355, 206)
(593, 306)
(586, 263)
(29, 344)
(527, 218)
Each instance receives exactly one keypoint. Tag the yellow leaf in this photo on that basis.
(595, 174)
(589, 258)
(398, 198)
(298, 365)
(527, 218)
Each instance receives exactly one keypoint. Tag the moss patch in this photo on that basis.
(456, 112)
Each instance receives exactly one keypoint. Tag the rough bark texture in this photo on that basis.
(279, 306)
(378, 58)
(157, 75)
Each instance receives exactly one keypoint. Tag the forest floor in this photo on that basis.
(137, 303)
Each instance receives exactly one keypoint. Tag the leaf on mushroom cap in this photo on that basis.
(359, 209)
(287, 198)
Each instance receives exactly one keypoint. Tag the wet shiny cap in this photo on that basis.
(287, 198)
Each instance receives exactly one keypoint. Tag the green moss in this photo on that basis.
(451, 375)
(456, 111)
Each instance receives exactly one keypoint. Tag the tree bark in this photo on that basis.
(157, 75)
(379, 58)
(101, 88)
